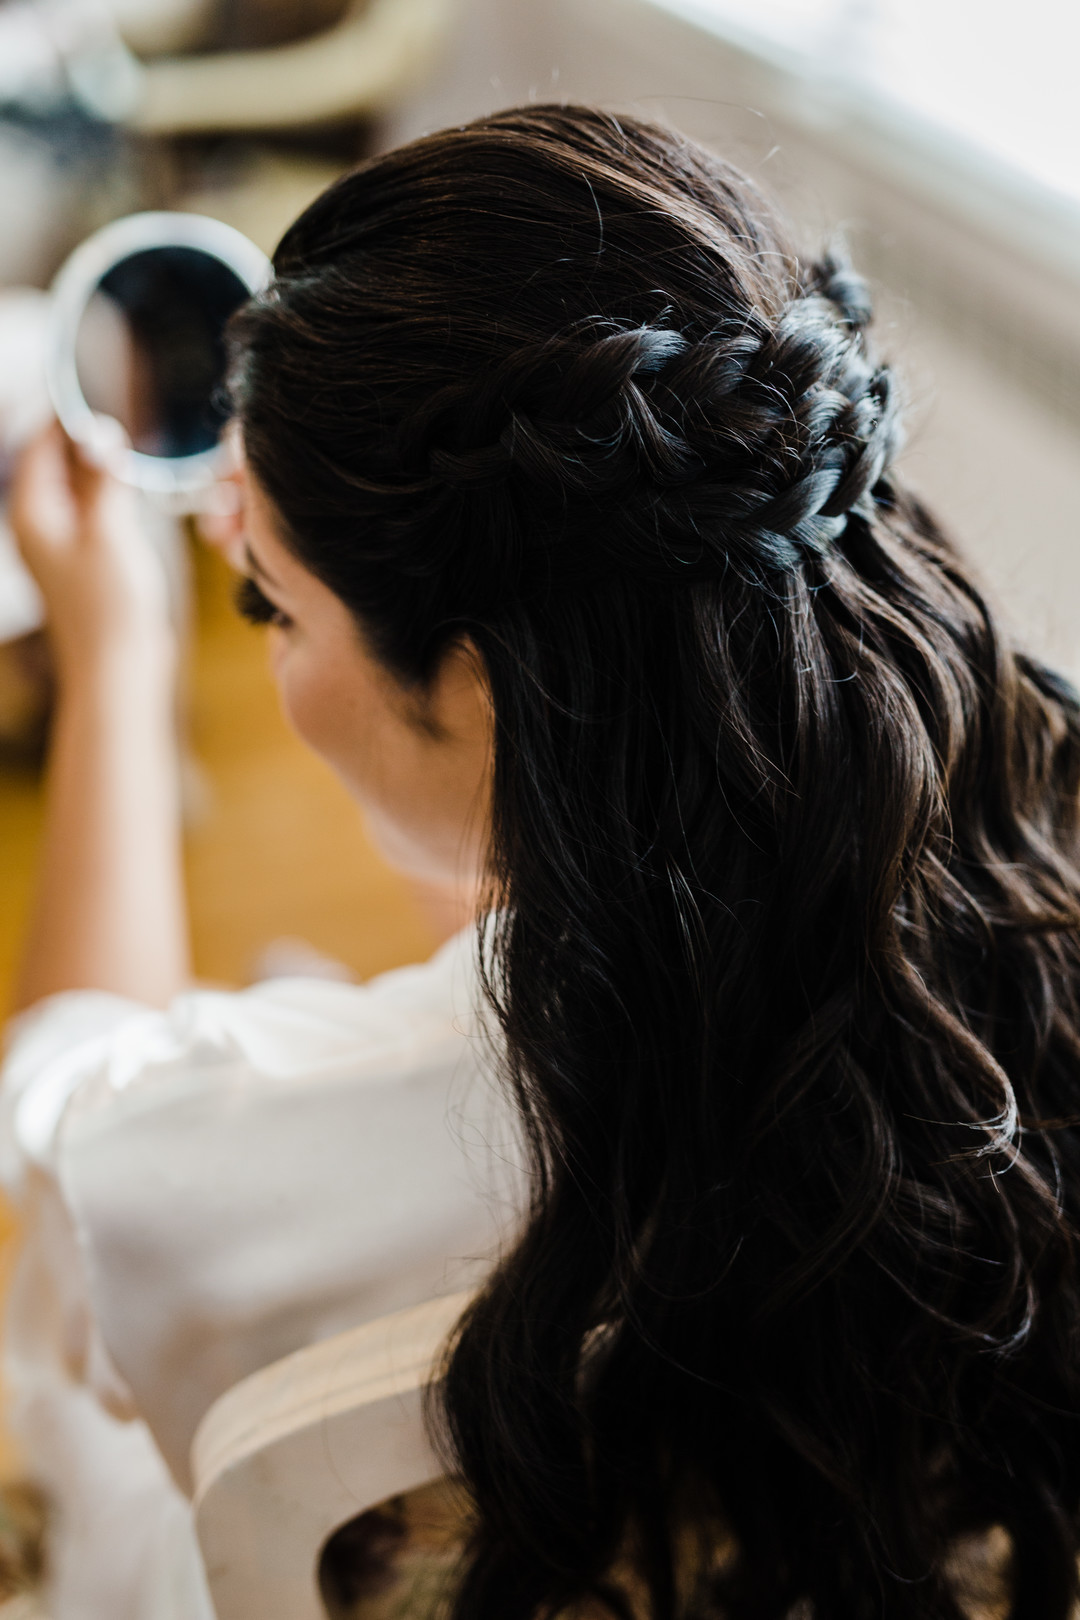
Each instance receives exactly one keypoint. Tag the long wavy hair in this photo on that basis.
(784, 850)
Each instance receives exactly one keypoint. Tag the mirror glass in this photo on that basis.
(149, 347)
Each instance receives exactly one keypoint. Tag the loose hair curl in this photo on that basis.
(785, 849)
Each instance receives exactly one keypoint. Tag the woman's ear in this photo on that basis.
(457, 707)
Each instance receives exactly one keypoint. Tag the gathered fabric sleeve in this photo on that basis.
(248, 1172)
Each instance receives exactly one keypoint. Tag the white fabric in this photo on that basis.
(206, 1190)
(24, 407)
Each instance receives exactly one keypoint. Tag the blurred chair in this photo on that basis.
(296, 1451)
(353, 69)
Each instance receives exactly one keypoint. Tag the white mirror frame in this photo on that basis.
(175, 480)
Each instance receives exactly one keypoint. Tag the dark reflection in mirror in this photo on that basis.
(150, 348)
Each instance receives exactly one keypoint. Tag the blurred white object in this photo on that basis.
(40, 38)
(998, 78)
(39, 41)
(359, 66)
(24, 336)
(24, 407)
(43, 201)
(49, 47)
(63, 166)
(31, 67)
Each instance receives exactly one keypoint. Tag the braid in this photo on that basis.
(751, 441)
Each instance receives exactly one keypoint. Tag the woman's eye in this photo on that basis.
(257, 608)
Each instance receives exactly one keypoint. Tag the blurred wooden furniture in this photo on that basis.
(355, 68)
(292, 1453)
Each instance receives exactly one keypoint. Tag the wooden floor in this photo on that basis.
(275, 848)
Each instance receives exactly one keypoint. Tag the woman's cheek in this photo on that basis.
(277, 651)
(322, 709)
(298, 688)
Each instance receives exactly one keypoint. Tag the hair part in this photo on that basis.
(785, 844)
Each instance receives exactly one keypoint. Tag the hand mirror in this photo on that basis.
(138, 328)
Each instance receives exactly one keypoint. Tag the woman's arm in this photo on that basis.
(109, 912)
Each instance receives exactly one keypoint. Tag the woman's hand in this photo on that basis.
(80, 534)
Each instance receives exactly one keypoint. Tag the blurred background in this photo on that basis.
(941, 137)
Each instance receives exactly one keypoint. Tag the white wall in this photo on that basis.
(982, 319)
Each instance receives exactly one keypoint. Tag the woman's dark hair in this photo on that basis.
(785, 854)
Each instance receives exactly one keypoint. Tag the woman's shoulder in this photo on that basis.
(289, 1025)
(84, 1051)
(421, 999)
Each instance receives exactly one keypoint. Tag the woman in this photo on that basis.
(570, 507)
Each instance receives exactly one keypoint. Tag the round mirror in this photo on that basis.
(138, 335)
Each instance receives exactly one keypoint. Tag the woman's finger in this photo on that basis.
(44, 508)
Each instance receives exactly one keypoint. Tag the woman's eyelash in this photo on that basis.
(255, 607)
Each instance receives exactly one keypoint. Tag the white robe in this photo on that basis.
(205, 1190)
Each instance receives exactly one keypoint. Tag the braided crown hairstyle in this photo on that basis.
(785, 849)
